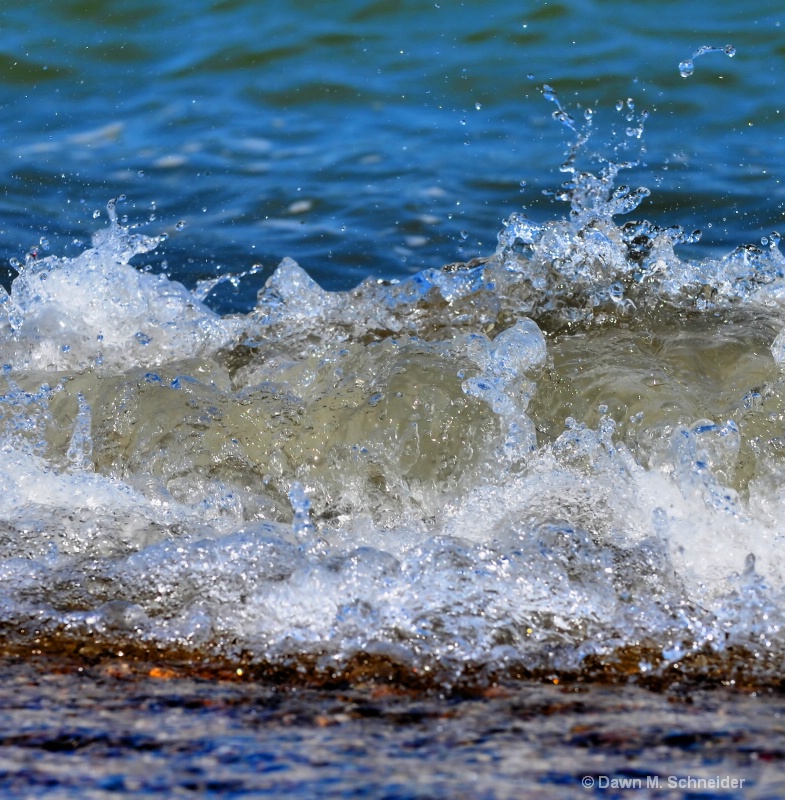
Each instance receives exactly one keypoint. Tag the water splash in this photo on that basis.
(204, 288)
(106, 308)
(687, 67)
(301, 510)
(560, 114)
(540, 459)
(80, 448)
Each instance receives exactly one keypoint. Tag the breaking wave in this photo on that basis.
(564, 458)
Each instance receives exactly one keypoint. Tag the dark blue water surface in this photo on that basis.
(373, 137)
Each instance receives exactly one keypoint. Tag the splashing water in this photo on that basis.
(560, 114)
(686, 68)
(565, 456)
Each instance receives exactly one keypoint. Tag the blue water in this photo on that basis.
(370, 138)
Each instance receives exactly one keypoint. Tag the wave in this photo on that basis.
(562, 459)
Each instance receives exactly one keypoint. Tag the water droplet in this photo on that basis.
(180, 225)
(478, 106)
(686, 68)
(464, 234)
(96, 214)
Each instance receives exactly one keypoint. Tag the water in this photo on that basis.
(419, 359)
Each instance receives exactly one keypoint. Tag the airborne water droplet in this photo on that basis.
(686, 68)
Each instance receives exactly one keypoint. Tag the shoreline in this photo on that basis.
(108, 731)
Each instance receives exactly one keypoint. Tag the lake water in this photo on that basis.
(418, 363)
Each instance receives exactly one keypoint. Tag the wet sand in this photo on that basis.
(117, 728)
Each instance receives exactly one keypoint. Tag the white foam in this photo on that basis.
(98, 310)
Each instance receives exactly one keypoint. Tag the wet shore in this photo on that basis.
(118, 728)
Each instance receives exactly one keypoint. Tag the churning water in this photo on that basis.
(545, 459)
(562, 457)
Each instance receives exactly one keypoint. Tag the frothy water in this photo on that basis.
(566, 457)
